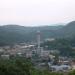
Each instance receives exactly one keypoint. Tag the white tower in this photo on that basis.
(38, 39)
(38, 42)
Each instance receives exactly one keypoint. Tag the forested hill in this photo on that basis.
(68, 30)
(10, 34)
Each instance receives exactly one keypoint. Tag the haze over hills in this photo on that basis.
(10, 34)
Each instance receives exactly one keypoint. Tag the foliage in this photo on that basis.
(63, 45)
(24, 67)
(71, 72)
(15, 67)
(11, 34)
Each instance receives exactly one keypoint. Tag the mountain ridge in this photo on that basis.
(10, 34)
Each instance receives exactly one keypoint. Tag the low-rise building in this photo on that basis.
(62, 68)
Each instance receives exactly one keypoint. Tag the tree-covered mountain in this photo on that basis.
(10, 34)
(68, 30)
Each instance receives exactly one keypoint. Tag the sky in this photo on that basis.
(36, 12)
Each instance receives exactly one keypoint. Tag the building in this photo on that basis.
(60, 68)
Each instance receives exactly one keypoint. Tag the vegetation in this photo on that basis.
(15, 67)
(64, 46)
(24, 67)
(12, 34)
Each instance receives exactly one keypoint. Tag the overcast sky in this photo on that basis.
(36, 12)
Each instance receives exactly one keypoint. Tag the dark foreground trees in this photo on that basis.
(23, 67)
(15, 67)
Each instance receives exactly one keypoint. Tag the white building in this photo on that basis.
(57, 68)
(5, 56)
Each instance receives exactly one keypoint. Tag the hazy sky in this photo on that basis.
(36, 12)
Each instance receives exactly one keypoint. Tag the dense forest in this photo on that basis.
(66, 47)
(11, 34)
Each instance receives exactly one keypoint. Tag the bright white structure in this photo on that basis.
(38, 39)
(63, 68)
(5, 56)
(38, 42)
